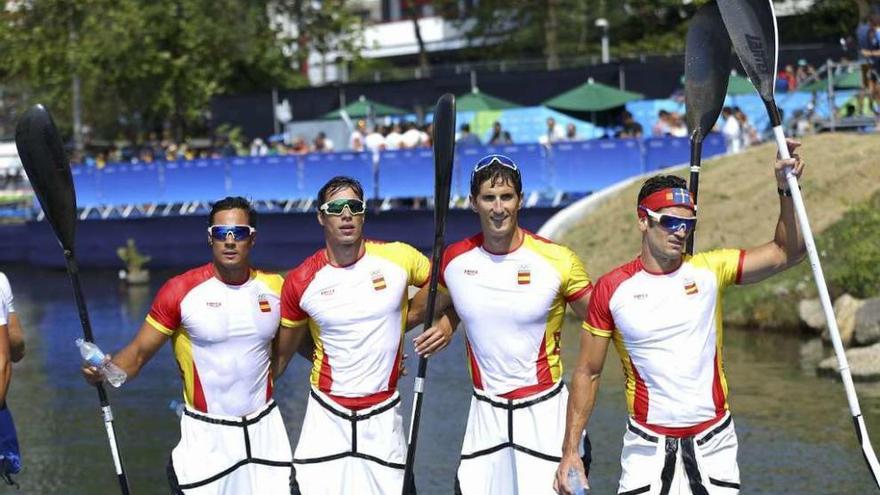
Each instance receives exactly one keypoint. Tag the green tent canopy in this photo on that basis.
(361, 109)
(592, 97)
(476, 101)
(850, 80)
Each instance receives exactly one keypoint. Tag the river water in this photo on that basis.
(795, 432)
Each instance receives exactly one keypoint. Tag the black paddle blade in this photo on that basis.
(752, 28)
(444, 152)
(707, 60)
(48, 169)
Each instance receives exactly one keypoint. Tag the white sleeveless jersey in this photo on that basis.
(667, 331)
(513, 306)
(356, 316)
(222, 337)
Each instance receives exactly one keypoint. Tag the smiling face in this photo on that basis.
(497, 203)
(663, 244)
(345, 229)
(229, 253)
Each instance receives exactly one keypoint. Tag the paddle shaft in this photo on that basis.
(824, 298)
(694, 184)
(106, 411)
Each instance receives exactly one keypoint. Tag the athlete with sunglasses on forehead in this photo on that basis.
(351, 297)
(510, 288)
(662, 310)
(221, 319)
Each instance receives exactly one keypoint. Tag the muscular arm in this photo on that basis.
(287, 342)
(787, 247)
(135, 355)
(582, 398)
(16, 338)
(580, 305)
(5, 362)
(437, 337)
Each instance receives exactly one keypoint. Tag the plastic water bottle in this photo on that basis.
(575, 484)
(92, 354)
(176, 406)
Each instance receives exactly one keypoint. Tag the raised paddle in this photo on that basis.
(444, 151)
(48, 170)
(752, 28)
(706, 70)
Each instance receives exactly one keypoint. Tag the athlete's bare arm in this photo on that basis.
(288, 341)
(583, 389)
(787, 247)
(134, 356)
(415, 316)
(437, 337)
(16, 338)
(5, 362)
(580, 305)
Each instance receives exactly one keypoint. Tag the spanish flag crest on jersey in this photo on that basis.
(264, 303)
(524, 275)
(690, 287)
(378, 280)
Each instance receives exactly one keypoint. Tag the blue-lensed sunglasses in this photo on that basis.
(238, 232)
(492, 159)
(671, 223)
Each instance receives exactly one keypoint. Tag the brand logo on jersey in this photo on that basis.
(378, 280)
(524, 275)
(470, 271)
(213, 304)
(639, 297)
(690, 287)
(264, 303)
(327, 292)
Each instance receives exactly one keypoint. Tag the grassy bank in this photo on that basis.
(739, 208)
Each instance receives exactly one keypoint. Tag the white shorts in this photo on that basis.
(513, 446)
(703, 464)
(219, 455)
(341, 451)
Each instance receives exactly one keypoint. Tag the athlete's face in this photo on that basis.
(345, 229)
(498, 206)
(663, 243)
(230, 253)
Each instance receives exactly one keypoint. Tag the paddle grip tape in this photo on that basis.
(111, 437)
(419, 385)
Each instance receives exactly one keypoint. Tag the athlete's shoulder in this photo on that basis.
(544, 246)
(272, 280)
(390, 248)
(620, 274)
(181, 284)
(305, 271)
(463, 246)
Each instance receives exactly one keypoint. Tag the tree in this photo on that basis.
(143, 64)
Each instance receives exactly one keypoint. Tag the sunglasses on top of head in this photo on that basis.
(490, 160)
(337, 207)
(671, 223)
(238, 232)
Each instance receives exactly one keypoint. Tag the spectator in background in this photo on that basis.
(790, 77)
(749, 134)
(631, 128)
(259, 148)
(322, 143)
(554, 133)
(413, 137)
(356, 142)
(571, 133)
(393, 138)
(499, 135)
(428, 136)
(465, 138)
(661, 127)
(731, 130)
(299, 146)
(375, 141)
(677, 127)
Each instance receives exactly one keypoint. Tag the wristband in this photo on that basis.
(783, 193)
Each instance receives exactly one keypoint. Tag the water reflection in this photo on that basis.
(795, 431)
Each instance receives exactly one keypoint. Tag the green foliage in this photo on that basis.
(143, 64)
(850, 255)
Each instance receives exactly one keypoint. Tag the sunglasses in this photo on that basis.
(337, 206)
(238, 232)
(672, 223)
(490, 160)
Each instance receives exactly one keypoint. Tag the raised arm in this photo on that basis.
(133, 356)
(787, 247)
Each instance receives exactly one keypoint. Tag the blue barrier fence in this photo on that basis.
(569, 167)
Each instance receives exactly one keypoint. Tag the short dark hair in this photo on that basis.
(497, 174)
(466, 127)
(658, 183)
(338, 183)
(234, 203)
